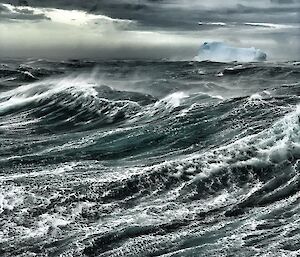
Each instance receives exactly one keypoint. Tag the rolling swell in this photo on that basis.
(206, 167)
(65, 104)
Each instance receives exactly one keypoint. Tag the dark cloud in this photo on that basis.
(182, 15)
(259, 23)
(163, 15)
(283, 1)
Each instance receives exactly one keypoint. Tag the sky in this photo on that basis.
(146, 29)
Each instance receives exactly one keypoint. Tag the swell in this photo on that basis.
(269, 157)
(174, 125)
(69, 104)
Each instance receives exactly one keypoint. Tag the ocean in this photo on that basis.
(149, 158)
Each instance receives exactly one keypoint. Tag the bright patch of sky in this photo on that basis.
(70, 17)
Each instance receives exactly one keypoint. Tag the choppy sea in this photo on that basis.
(149, 158)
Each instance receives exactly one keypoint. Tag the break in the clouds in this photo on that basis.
(57, 15)
(145, 28)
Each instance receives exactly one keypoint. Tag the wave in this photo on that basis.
(255, 171)
(231, 180)
(70, 102)
(176, 124)
(259, 157)
(25, 74)
(81, 102)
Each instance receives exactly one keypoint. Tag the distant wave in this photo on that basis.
(270, 25)
(249, 24)
(212, 23)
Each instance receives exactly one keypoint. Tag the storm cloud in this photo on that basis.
(147, 28)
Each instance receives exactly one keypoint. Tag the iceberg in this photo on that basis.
(221, 52)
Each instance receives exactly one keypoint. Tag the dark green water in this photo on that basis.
(128, 158)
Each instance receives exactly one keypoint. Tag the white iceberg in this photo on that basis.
(221, 52)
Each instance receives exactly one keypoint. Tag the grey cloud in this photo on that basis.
(183, 16)
(180, 14)
(283, 1)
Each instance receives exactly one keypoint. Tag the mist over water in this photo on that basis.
(149, 158)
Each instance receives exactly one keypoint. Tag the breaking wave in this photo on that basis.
(181, 161)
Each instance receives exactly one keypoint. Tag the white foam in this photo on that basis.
(201, 72)
(45, 89)
(9, 199)
(171, 101)
(27, 73)
(270, 25)
(46, 172)
(256, 96)
(269, 147)
(212, 23)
